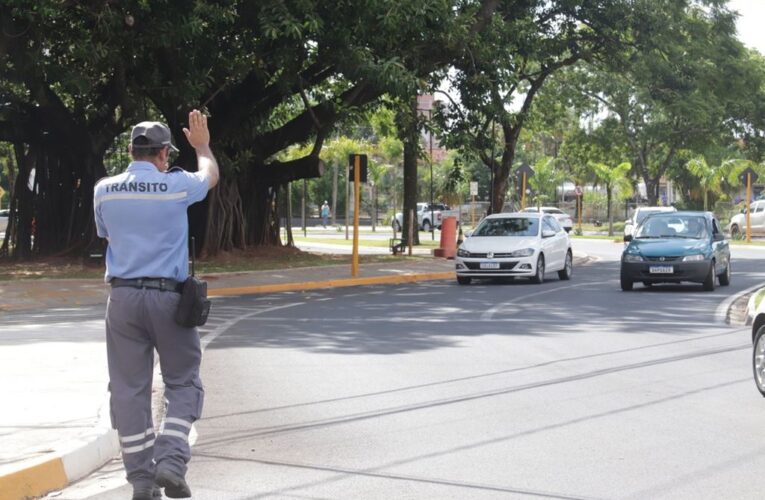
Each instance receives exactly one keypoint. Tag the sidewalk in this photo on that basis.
(54, 427)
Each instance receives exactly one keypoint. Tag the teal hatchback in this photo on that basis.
(676, 246)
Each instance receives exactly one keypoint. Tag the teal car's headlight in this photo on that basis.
(462, 253)
(526, 252)
(632, 257)
(693, 258)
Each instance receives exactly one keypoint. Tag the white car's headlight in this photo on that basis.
(462, 253)
(632, 257)
(526, 252)
(693, 258)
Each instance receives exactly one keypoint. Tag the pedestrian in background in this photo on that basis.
(142, 214)
(324, 213)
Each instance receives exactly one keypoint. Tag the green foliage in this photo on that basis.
(614, 178)
(548, 175)
(675, 88)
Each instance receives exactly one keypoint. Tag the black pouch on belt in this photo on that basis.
(194, 306)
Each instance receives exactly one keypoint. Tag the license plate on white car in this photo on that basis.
(489, 265)
(661, 270)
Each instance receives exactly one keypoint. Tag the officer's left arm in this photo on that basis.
(100, 226)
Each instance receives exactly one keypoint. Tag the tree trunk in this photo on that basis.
(411, 140)
(334, 193)
(260, 211)
(225, 219)
(288, 211)
(52, 200)
(502, 171)
(609, 191)
(652, 190)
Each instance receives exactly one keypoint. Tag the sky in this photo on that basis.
(750, 22)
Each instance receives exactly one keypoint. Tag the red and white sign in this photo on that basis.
(578, 190)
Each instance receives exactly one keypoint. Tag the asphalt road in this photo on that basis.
(495, 390)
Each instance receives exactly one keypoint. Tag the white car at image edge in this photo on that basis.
(525, 245)
(4, 219)
(563, 218)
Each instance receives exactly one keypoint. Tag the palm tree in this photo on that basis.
(710, 177)
(615, 180)
(547, 177)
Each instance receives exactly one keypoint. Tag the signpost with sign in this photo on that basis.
(357, 165)
(748, 177)
(473, 194)
(524, 173)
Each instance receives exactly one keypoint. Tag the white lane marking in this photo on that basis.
(721, 313)
(487, 315)
(209, 337)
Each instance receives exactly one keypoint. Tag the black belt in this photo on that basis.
(162, 284)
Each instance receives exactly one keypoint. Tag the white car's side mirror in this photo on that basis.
(547, 233)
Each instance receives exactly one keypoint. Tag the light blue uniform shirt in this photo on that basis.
(142, 212)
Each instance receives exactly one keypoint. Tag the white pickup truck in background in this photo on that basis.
(427, 216)
(737, 226)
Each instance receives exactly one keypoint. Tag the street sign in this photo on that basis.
(473, 189)
(743, 175)
(352, 163)
(524, 169)
(578, 191)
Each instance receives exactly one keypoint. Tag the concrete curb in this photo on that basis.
(336, 283)
(36, 477)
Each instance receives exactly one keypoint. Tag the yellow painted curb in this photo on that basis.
(311, 285)
(33, 481)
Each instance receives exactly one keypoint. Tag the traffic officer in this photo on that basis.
(142, 214)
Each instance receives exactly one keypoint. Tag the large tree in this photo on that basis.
(271, 74)
(681, 86)
(499, 75)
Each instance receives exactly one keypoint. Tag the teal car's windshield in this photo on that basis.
(674, 226)
(509, 226)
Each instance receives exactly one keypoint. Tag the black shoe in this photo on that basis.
(174, 484)
(146, 493)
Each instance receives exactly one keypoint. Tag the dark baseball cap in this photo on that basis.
(156, 134)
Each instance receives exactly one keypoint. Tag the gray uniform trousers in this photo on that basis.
(137, 322)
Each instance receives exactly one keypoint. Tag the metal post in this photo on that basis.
(748, 208)
(411, 230)
(491, 167)
(430, 140)
(356, 207)
(347, 204)
(305, 232)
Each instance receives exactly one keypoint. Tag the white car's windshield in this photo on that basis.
(675, 226)
(515, 226)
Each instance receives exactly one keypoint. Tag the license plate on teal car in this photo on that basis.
(489, 265)
(661, 270)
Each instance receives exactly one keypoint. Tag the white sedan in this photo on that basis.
(515, 245)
